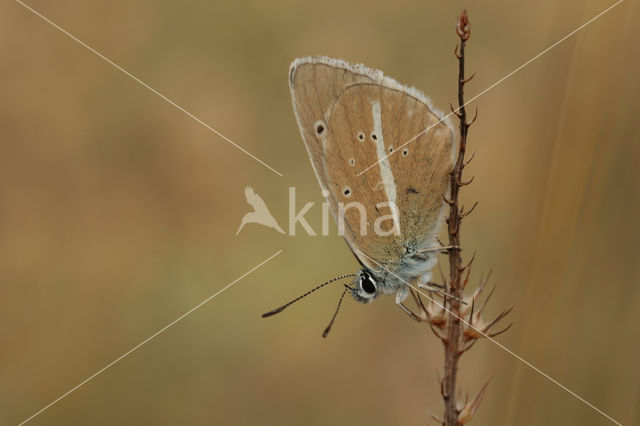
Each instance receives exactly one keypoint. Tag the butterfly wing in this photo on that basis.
(352, 117)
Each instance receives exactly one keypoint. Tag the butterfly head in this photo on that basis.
(365, 288)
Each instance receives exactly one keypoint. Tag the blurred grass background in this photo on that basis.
(118, 213)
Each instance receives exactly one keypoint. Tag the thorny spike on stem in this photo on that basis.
(446, 200)
(461, 183)
(462, 268)
(466, 80)
(455, 52)
(498, 318)
(455, 111)
(465, 214)
(497, 333)
(473, 154)
(466, 279)
(467, 411)
(486, 300)
(473, 120)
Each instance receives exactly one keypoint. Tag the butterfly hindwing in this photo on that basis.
(352, 117)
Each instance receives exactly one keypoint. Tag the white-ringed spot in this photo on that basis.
(320, 127)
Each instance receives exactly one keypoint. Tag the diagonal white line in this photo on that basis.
(496, 83)
(503, 347)
(147, 339)
(145, 85)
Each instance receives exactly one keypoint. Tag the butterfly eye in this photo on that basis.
(319, 127)
(367, 285)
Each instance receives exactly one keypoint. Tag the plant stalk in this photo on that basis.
(452, 342)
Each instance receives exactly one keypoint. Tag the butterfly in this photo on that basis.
(386, 194)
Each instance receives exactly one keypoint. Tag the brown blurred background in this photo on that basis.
(118, 213)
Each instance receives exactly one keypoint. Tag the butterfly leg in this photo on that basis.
(442, 249)
(429, 285)
(401, 295)
(409, 312)
(425, 283)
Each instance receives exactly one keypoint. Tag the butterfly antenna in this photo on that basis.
(286, 305)
(328, 329)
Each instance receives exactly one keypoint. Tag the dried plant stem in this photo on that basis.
(454, 327)
(457, 324)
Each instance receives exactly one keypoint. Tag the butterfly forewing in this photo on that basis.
(314, 88)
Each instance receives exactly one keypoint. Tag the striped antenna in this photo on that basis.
(286, 305)
(333, 318)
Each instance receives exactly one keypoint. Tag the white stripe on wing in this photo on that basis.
(383, 161)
